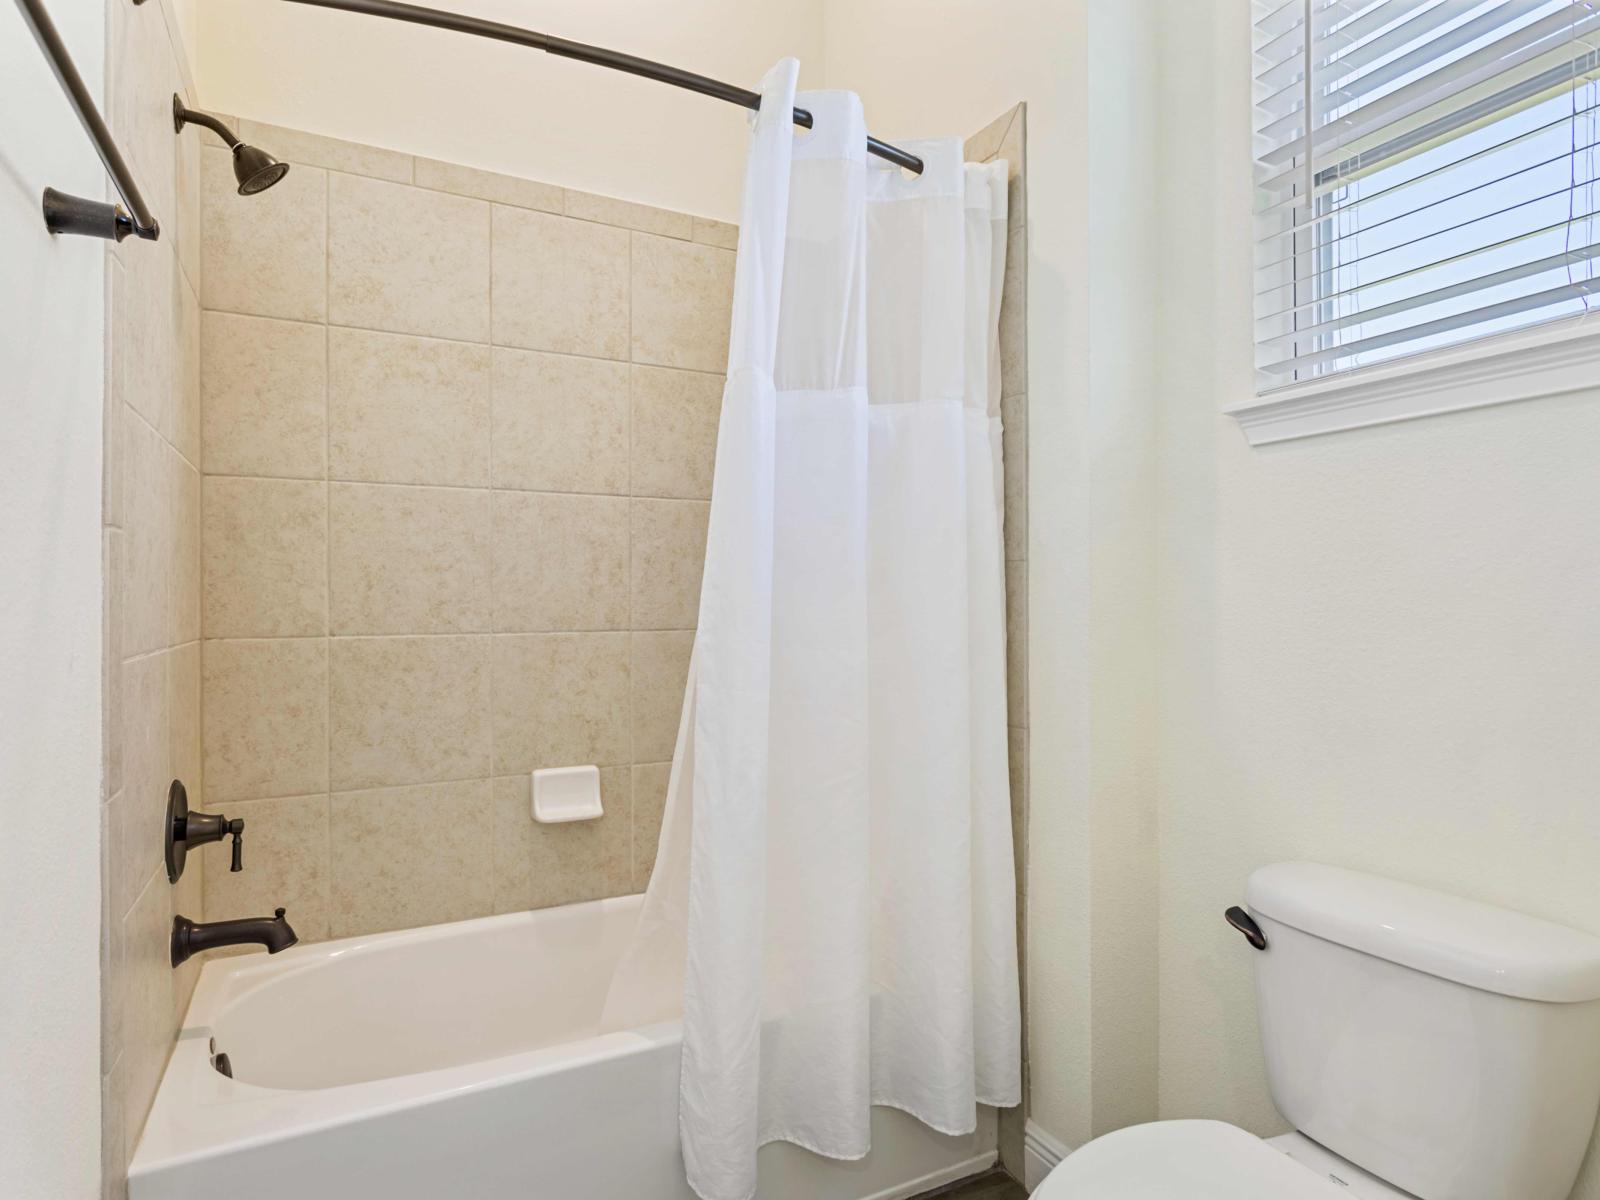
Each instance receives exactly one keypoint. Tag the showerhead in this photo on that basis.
(254, 168)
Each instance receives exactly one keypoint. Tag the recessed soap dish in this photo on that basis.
(566, 794)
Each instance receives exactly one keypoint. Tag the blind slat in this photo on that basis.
(1291, 303)
(1500, 57)
(1301, 218)
(1456, 114)
(1368, 242)
(1431, 329)
(1425, 40)
(1448, 185)
(1353, 36)
(1580, 257)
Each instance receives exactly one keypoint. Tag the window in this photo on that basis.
(1447, 189)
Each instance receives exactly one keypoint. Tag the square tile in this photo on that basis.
(113, 1132)
(406, 259)
(265, 726)
(610, 211)
(1014, 455)
(560, 700)
(285, 861)
(183, 717)
(266, 557)
(147, 1024)
(264, 396)
(487, 185)
(410, 856)
(538, 866)
(408, 710)
(314, 150)
(112, 404)
(650, 782)
(185, 433)
(189, 231)
(982, 146)
(147, 774)
(716, 233)
(184, 595)
(407, 409)
(147, 537)
(560, 284)
(560, 562)
(1014, 315)
(112, 952)
(111, 679)
(682, 303)
(660, 671)
(560, 423)
(669, 546)
(144, 335)
(266, 254)
(1017, 767)
(1016, 648)
(674, 432)
(408, 559)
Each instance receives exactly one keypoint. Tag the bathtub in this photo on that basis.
(461, 1062)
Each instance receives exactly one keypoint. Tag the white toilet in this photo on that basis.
(1422, 1045)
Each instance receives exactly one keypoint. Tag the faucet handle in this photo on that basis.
(185, 830)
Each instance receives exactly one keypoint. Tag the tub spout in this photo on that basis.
(190, 937)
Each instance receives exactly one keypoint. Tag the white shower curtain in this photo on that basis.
(834, 896)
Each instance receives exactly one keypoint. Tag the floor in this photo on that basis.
(992, 1185)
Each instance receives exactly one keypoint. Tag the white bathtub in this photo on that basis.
(461, 1062)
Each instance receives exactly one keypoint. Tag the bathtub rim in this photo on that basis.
(199, 1112)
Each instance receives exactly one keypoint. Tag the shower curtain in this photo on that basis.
(834, 896)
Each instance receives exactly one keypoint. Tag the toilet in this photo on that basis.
(1424, 1047)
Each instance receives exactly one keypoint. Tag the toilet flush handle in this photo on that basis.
(1245, 924)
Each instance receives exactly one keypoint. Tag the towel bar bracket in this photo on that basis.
(64, 213)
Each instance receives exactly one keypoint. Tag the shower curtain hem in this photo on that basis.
(877, 1101)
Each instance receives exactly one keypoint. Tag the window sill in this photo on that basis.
(1559, 358)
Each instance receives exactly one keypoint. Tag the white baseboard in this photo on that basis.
(1041, 1153)
(976, 1165)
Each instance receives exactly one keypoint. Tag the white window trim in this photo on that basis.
(1553, 359)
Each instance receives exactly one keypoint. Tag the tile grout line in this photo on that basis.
(633, 803)
(494, 808)
(625, 360)
(456, 487)
(327, 543)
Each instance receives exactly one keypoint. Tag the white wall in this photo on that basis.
(1091, 912)
(51, 362)
(511, 109)
(1379, 649)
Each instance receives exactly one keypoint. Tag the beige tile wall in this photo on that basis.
(1006, 138)
(458, 432)
(458, 438)
(152, 568)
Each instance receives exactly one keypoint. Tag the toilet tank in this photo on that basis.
(1449, 1047)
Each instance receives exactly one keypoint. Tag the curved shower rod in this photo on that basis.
(460, 23)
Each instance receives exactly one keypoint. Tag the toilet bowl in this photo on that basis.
(1424, 1047)
(1208, 1160)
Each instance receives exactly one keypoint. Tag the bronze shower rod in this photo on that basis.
(459, 23)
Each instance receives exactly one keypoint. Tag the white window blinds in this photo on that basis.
(1426, 175)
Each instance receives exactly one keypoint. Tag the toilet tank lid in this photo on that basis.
(1478, 945)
